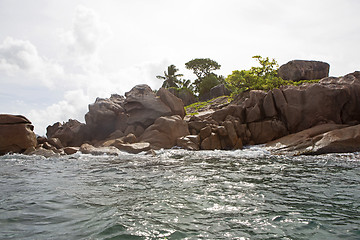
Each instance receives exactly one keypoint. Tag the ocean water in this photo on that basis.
(177, 194)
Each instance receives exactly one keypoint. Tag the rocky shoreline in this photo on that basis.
(315, 118)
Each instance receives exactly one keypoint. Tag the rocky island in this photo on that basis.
(312, 118)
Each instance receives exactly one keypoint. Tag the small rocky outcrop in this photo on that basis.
(297, 70)
(133, 147)
(89, 149)
(16, 134)
(338, 141)
(327, 138)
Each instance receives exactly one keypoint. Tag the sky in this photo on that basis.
(57, 57)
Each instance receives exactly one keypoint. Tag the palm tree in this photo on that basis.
(170, 78)
(186, 84)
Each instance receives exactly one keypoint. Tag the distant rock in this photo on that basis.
(185, 95)
(297, 70)
(71, 134)
(218, 91)
(323, 117)
(16, 134)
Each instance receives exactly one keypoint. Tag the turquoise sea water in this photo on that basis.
(178, 194)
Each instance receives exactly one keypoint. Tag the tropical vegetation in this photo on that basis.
(262, 77)
(170, 77)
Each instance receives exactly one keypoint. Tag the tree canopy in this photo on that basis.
(202, 66)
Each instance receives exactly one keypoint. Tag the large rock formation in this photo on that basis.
(266, 116)
(117, 116)
(332, 100)
(326, 110)
(16, 134)
(297, 70)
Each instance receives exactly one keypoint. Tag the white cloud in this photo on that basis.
(21, 57)
(86, 37)
(86, 88)
(73, 106)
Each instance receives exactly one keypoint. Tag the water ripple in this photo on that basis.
(179, 194)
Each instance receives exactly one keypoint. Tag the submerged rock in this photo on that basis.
(71, 150)
(42, 152)
(133, 147)
(89, 149)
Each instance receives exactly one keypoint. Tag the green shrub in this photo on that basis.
(207, 83)
(259, 78)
